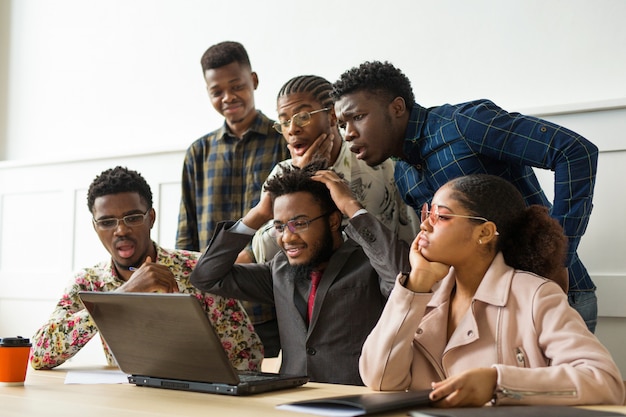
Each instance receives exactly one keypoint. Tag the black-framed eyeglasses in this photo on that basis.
(434, 216)
(294, 226)
(300, 119)
(112, 222)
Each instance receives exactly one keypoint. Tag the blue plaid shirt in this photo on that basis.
(222, 180)
(449, 141)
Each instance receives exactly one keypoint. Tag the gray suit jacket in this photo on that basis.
(348, 303)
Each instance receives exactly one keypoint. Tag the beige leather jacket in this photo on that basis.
(519, 323)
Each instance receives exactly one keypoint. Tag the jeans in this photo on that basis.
(586, 303)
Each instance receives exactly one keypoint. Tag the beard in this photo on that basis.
(324, 250)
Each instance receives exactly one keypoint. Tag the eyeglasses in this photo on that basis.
(434, 216)
(130, 221)
(294, 226)
(299, 119)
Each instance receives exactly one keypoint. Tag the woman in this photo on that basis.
(476, 321)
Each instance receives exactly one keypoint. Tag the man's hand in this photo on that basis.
(339, 191)
(261, 213)
(321, 147)
(472, 388)
(150, 277)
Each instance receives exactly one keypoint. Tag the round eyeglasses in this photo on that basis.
(299, 119)
(112, 222)
(294, 226)
(434, 216)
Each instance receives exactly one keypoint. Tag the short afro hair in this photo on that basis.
(293, 180)
(119, 180)
(377, 78)
(224, 53)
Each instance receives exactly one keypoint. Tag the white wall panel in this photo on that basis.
(87, 248)
(29, 220)
(168, 206)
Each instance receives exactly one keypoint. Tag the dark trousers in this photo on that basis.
(268, 332)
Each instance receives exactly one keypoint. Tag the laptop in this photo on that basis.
(167, 341)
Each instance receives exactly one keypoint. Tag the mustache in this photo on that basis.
(123, 239)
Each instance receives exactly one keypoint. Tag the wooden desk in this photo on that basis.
(45, 394)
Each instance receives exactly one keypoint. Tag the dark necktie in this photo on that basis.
(315, 280)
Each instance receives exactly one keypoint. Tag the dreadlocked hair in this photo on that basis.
(318, 87)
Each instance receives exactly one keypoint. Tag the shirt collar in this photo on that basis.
(494, 289)
(260, 125)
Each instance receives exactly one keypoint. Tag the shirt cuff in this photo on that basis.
(241, 228)
(358, 212)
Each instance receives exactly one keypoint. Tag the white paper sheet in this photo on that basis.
(99, 376)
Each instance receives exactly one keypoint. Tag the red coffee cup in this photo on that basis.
(14, 353)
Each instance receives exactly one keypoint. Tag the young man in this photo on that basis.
(306, 119)
(120, 201)
(224, 170)
(376, 106)
(328, 292)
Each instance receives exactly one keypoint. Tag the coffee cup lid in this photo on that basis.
(14, 341)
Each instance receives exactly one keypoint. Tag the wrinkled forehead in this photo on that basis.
(358, 102)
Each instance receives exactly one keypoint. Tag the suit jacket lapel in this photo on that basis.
(331, 273)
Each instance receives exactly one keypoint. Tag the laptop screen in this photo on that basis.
(160, 335)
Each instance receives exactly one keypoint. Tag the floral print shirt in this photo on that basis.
(70, 326)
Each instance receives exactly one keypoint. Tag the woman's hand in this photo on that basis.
(424, 273)
(472, 388)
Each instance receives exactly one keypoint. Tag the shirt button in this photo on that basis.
(368, 235)
(543, 129)
(470, 333)
(418, 166)
(420, 331)
(311, 351)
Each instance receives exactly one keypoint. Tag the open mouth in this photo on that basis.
(126, 249)
(358, 150)
(299, 148)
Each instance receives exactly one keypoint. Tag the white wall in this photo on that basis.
(88, 84)
(106, 76)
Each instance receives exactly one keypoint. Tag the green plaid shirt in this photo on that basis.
(222, 180)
